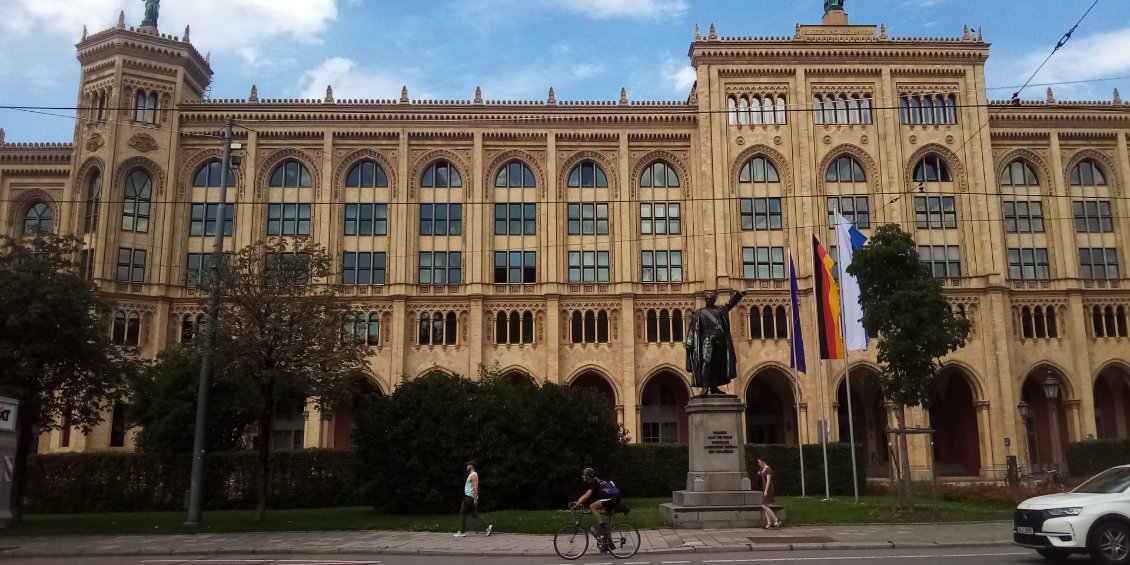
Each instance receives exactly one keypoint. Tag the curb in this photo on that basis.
(22, 553)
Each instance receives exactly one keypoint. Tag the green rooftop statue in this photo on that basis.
(151, 8)
(833, 5)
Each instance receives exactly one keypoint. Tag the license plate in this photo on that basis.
(1024, 530)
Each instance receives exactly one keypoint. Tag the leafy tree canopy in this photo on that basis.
(904, 306)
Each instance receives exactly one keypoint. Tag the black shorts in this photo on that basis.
(610, 504)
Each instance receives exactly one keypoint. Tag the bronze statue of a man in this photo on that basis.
(711, 359)
(151, 9)
(833, 5)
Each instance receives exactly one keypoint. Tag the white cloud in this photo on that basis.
(643, 9)
(1098, 56)
(236, 26)
(350, 81)
(680, 76)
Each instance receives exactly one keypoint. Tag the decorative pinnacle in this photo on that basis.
(254, 94)
(186, 29)
(552, 97)
(478, 95)
(404, 95)
(1051, 96)
(882, 31)
(965, 33)
(122, 19)
(697, 33)
(713, 32)
(1, 136)
(1117, 97)
(84, 32)
(623, 96)
(329, 94)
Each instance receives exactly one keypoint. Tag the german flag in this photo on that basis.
(827, 303)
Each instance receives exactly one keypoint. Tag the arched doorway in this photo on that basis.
(594, 380)
(869, 414)
(363, 387)
(953, 417)
(1112, 401)
(663, 409)
(519, 378)
(770, 413)
(1047, 439)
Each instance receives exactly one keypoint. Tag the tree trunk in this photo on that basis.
(265, 424)
(26, 418)
(893, 469)
(904, 455)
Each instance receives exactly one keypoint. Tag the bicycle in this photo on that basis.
(572, 540)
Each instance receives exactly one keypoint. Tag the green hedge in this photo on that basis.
(128, 482)
(1089, 457)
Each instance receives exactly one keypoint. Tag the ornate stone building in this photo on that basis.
(568, 242)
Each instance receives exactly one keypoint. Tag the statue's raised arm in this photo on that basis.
(735, 297)
(151, 9)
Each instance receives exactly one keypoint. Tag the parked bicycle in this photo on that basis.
(572, 540)
(1041, 477)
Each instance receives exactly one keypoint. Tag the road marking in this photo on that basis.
(860, 558)
(265, 561)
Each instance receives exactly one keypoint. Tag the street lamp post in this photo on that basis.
(1025, 411)
(1051, 391)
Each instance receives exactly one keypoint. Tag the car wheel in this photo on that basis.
(1110, 543)
(1053, 554)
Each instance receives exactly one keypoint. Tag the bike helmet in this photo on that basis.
(589, 472)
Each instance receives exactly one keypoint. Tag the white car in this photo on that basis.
(1092, 519)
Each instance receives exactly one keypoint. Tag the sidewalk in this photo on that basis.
(848, 536)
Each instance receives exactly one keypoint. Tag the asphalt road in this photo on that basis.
(957, 556)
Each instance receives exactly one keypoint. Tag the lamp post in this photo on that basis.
(1032, 442)
(1051, 391)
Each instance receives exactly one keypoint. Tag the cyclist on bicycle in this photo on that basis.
(604, 496)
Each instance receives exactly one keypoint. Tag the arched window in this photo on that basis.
(373, 335)
(915, 110)
(146, 107)
(759, 170)
(441, 174)
(853, 109)
(932, 168)
(1040, 323)
(135, 207)
(527, 327)
(904, 109)
(652, 326)
(743, 110)
(845, 169)
(927, 110)
(664, 326)
(768, 328)
(589, 326)
(366, 174)
(1087, 173)
(133, 329)
(951, 109)
(587, 174)
(436, 329)
(515, 174)
(865, 109)
(841, 109)
(515, 329)
(782, 323)
(659, 174)
(93, 197)
(677, 326)
(817, 109)
(1120, 320)
(755, 323)
(353, 328)
(940, 110)
(208, 175)
(830, 109)
(732, 110)
(39, 219)
(781, 114)
(501, 329)
(1097, 322)
(1026, 328)
(118, 332)
(1019, 173)
(187, 328)
(1052, 323)
(755, 110)
(1108, 317)
(291, 174)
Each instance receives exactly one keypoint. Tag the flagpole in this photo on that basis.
(847, 363)
(796, 376)
(821, 423)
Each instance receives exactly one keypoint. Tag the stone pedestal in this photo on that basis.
(718, 493)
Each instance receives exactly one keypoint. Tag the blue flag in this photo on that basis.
(797, 357)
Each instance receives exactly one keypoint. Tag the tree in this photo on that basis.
(163, 404)
(280, 335)
(904, 306)
(56, 354)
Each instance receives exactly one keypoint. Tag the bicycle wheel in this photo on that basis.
(625, 540)
(571, 541)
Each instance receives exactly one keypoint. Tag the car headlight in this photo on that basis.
(1073, 511)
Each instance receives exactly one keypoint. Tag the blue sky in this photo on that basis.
(517, 49)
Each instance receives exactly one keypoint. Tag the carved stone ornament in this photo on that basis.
(95, 142)
(143, 142)
(777, 140)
